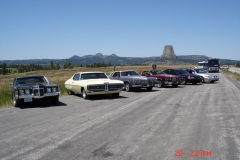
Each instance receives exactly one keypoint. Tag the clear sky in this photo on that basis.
(59, 29)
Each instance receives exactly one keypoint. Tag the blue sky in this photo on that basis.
(59, 29)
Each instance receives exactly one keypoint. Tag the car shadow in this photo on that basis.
(101, 97)
(139, 90)
(179, 86)
(41, 104)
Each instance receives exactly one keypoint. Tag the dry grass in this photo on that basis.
(60, 76)
(234, 75)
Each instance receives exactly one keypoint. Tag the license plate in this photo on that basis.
(27, 99)
(169, 82)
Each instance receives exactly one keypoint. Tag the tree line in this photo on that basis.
(4, 69)
(238, 64)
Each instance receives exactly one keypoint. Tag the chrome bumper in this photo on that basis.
(37, 97)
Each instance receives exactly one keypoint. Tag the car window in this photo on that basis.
(93, 76)
(116, 74)
(157, 72)
(166, 71)
(179, 71)
(31, 80)
(172, 72)
(146, 73)
(76, 77)
(129, 73)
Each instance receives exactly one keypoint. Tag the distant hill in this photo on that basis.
(116, 60)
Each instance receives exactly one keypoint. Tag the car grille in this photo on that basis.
(112, 87)
(38, 92)
(96, 87)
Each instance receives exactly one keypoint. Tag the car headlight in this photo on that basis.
(49, 90)
(27, 91)
(54, 89)
(21, 92)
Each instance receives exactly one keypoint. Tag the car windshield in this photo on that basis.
(129, 73)
(179, 71)
(157, 72)
(201, 71)
(31, 80)
(93, 76)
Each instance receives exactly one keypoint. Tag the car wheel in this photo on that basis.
(175, 85)
(127, 87)
(159, 84)
(84, 94)
(202, 80)
(212, 81)
(149, 88)
(70, 92)
(183, 81)
(194, 83)
(115, 95)
(55, 100)
(16, 103)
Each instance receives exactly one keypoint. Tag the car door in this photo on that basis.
(75, 83)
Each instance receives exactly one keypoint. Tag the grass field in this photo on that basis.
(60, 76)
(234, 75)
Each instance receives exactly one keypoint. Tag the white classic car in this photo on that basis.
(93, 83)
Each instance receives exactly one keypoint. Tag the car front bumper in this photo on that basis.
(37, 97)
(102, 92)
(210, 79)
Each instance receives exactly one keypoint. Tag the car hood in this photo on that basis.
(36, 85)
(140, 77)
(98, 81)
(207, 74)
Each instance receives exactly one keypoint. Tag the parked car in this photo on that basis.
(224, 67)
(189, 78)
(132, 80)
(30, 88)
(163, 78)
(206, 77)
(93, 83)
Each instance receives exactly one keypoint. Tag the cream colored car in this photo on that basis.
(93, 83)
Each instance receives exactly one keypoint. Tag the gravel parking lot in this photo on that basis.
(189, 122)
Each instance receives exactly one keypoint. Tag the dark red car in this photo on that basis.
(189, 78)
(163, 78)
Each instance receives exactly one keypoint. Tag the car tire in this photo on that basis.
(159, 84)
(175, 85)
(149, 88)
(55, 100)
(127, 87)
(115, 95)
(70, 92)
(194, 83)
(212, 81)
(183, 81)
(84, 94)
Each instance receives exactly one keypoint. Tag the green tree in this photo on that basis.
(68, 65)
(4, 69)
(51, 65)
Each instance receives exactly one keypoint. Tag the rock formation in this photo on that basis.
(168, 53)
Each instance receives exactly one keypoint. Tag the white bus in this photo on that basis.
(203, 65)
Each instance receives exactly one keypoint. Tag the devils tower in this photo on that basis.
(168, 53)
